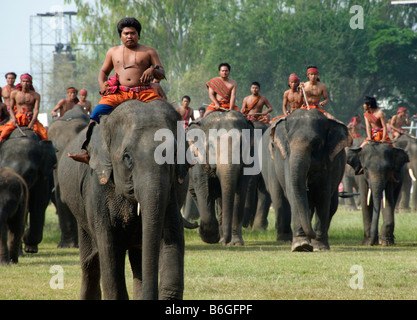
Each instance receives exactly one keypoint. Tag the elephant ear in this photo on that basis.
(99, 153)
(353, 159)
(338, 138)
(400, 158)
(278, 137)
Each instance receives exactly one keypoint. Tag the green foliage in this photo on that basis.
(265, 41)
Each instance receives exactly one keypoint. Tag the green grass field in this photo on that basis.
(262, 269)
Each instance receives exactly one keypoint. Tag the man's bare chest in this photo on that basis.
(25, 98)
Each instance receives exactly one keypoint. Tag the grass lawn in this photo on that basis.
(262, 269)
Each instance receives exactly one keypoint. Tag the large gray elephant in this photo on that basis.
(223, 181)
(258, 200)
(14, 196)
(409, 144)
(381, 166)
(34, 161)
(61, 132)
(303, 161)
(125, 200)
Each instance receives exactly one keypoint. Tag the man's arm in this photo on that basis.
(244, 105)
(192, 114)
(233, 96)
(152, 72)
(212, 97)
(324, 102)
(11, 109)
(269, 107)
(57, 107)
(35, 111)
(105, 70)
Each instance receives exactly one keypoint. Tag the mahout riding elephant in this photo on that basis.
(14, 196)
(125, 200)
(258, 200)
(303, 161)
(34, 161)
(381, 167)
(219, 175)
(409, 144)
(61, 132)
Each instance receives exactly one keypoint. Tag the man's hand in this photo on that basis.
(147, 75)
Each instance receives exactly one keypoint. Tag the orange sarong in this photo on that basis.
(23, 120)
(119, 96)
(223, 104)
(313, 106)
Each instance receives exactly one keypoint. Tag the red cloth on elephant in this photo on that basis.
(23, 119)
(223, 104)
(313, 106)
(116, 98)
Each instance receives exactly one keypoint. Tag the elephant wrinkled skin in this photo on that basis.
(303, 161)
(104, 198)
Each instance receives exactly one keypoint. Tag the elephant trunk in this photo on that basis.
(299, 165)
(377, 197)
(228, 176)
(152, 201)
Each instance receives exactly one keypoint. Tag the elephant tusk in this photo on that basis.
(138, 209)
(369, 196)
(411, 174)
(383, 199)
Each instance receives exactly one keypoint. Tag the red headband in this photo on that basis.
(402, 109)
(83, 92)
(72, 89)
(26, 76)
(312, 70)
(294, 77)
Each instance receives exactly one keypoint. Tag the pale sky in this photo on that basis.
(15, 33)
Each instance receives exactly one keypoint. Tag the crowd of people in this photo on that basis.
(138, 72)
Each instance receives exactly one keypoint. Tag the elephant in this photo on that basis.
(381, 167)
(350, 195)
(409, 144)
(216, 179)
(61, 132)
(126, 200)
(258, 200)
(303, 161)
(14, 196)
(34, 161)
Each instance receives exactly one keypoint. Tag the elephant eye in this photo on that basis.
(127, 160)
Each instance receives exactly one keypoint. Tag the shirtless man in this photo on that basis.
(66, 104)
(293, 96)
(185, 111)
(9, 87)
(222, 91)
(135, 65)
(84, 102)
(355, 126)
(4, 114)
(397, 121)
(376, 127)
(27, 104)
(314, 90)
(252, 105)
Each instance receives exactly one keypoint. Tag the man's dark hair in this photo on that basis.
(256, 83)
(202, 109)
(370, 101)
(186, 97)
(129, 22)
(225, 64)
(311, 66)
(12, 73)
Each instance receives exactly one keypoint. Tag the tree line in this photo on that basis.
(265, 41)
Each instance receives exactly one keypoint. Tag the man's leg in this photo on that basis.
(100, 109)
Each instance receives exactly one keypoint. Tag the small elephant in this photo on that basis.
(381, 167)
(14, 195)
